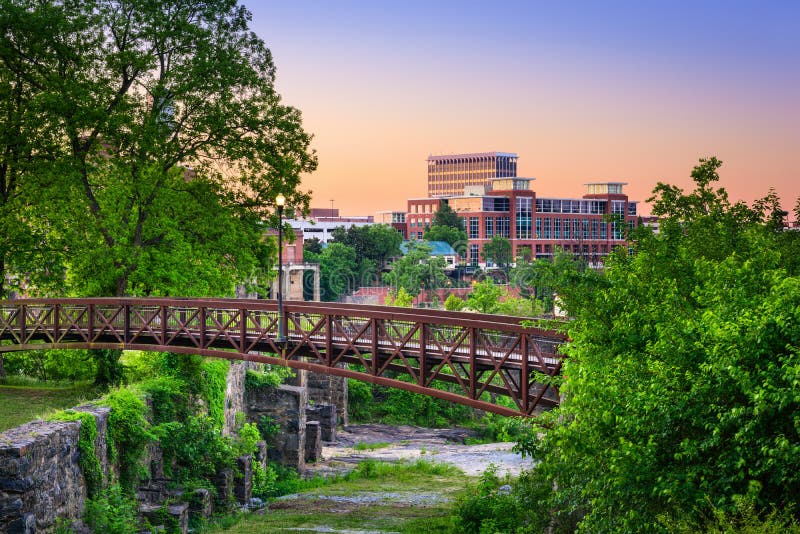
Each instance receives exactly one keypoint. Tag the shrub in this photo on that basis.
(129, 433)
(111, 512)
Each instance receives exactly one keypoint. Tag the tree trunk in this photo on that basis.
(2, 368)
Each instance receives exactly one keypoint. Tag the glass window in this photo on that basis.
(566, 229)
(556, 228)
(503, 227)
(547, 228)
(632, 208)
(473, 254)
(474, 229)
(488, 227)
(595, 226)
(538, 228)
(603, 230)
(585, 228)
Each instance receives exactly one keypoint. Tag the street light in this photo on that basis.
(280, 201)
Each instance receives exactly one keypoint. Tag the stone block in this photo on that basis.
(166, 517)
(285, 405)
(224, 484)
(327, 417)
(201, 503)
(261, 453)
(329, 389)
(243, 483)
(313, 441)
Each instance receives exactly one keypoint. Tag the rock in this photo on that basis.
(255, 503)
(505, 489)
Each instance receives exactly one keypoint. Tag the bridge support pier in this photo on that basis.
(329, 389)
(286, 407)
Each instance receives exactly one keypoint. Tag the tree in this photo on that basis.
(485, 296)
(313, 245)
(401, 299)
(338, 267)
(453, 236)
(446, 216)
(679, 392)
(417, 270)
(376, 242)
(498, 251)
(454, 303)
(155, 110)
(161, 139)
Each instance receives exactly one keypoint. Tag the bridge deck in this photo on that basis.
(482, 357)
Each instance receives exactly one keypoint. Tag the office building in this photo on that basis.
(449, 175)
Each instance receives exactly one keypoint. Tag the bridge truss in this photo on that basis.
(477, 358)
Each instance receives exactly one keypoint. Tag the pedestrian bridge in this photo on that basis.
(474, 359)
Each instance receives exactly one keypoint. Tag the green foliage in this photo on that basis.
(112, 512)
(498, 251)
(196, 447)
(338, 268)
(96, 130)
(213, 387)
(313, 245)
(363, 446)
(446, 216)
(264, 481)
(272, 377)
(47, 365)
(372, 403)
(454, 303)
(90, 465)
(680, 392)
(519, 307)
(744, 519)
(485, 510)
(130, 433)
(249, 435)
(453, 236)
(109, 370)
(267, 427)
(417, 270)
(485, 296)
(375, 242)
(401, 298)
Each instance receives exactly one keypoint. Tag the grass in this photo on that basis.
(409, 498)
(362, 446)
(23, 403)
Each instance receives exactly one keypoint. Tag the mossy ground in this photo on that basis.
(385, 499)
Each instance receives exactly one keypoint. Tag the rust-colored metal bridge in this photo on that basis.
(480, 358)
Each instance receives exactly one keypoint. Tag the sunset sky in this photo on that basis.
(631, 91)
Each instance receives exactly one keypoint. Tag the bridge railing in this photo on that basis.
(479, 356)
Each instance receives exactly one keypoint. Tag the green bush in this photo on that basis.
(129, 433)
(485, 510)
(269, 378)
(196, 446)
(111, 512)
(90, 465)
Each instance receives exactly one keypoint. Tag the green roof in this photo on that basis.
(439, 248)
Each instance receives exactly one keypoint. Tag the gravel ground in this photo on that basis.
(411, 443)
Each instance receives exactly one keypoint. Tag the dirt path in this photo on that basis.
(410, 443)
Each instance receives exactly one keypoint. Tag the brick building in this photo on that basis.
(589, 226)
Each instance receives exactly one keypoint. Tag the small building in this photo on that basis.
(439, 249)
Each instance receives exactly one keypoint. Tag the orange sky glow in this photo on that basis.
(581, 93)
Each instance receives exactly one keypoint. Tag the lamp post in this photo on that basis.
(280, 201)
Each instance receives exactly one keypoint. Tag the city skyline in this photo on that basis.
(582, 92)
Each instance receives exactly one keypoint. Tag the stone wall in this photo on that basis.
(286, 407)
(329, 389)
(40, 474)
(234, 395)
